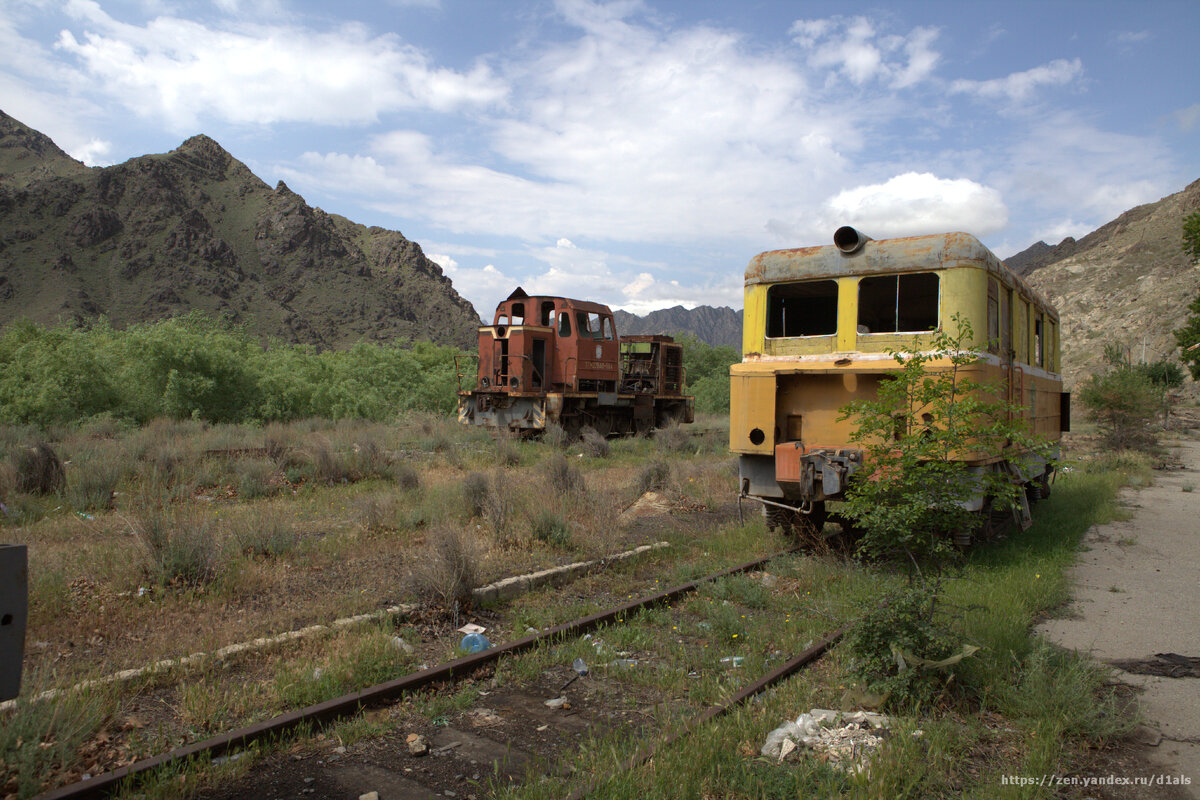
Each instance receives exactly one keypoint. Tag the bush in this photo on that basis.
(654, 477)
(594, 444)
(180, 544)
(475, 493)
(551, 528)
(1124, 402)
(39, 470)
(884, 641)
(448, 568)
(264, 533)
(563, 477)
(499, 507)
(556, 436)
(673, 439)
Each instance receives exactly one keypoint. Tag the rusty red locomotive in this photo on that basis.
(553, 359)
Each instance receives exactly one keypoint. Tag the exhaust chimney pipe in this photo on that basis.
(849, 240)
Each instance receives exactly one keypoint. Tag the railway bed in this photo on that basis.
(489, 733)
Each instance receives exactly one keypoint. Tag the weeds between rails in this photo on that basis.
(439, 676)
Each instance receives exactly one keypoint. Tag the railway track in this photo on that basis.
(462, 755)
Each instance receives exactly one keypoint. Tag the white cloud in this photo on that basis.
(1019, 86)
(181, 70)
(853, 48)
(94, 153)
(918, 203)
(1065, 162)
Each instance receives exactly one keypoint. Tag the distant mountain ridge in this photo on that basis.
(160, 235)
(1128, 282)
(720, 326)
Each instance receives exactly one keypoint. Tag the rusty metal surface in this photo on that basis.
(906, 254)
(110, 782)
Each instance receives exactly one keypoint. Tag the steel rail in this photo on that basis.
(347, 705)
(807, 656)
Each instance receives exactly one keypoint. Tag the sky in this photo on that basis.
(637, 152)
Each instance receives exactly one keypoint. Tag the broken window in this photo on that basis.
(802, 309)
(518, 313)
(564, 323)
(898, 303)
(592, 326)
(547, 313)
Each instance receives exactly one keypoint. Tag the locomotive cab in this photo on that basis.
(553, 359)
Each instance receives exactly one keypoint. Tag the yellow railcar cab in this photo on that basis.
(818, 325)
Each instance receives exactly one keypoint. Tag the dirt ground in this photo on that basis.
(1135, 597)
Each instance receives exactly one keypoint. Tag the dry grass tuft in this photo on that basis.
(448, 568)
(674, 439)
(475, 493)
(594, 444)
(180, 543)
(654, 477)
(563, 477)
(555, 436)
(499, 509)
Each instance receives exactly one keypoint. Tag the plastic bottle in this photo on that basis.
(474, 643)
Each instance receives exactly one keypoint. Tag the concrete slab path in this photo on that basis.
(1137, 593)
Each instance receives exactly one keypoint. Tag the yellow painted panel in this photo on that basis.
(751, 407)
(754, 319)
(964, 291)
(847, 324)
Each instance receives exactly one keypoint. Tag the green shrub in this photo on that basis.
(475, 493)
(551, 528)
(886, 638)
(1124, 401)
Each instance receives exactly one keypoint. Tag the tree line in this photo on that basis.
(193, 366)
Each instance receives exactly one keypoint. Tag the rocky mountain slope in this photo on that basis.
(1127, 282)
(714, 326)
(161, 235)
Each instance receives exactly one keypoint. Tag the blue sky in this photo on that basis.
(637, 152)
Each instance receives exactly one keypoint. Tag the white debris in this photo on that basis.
(846, 739)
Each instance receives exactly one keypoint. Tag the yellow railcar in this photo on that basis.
(818, 325)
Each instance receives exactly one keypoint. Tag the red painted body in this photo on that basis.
(554, 359)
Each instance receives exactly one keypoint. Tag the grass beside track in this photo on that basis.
(315, 547)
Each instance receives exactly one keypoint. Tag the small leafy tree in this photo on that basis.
(1188, 338)
(1125, 399)
(909, 498)
(1191, 234)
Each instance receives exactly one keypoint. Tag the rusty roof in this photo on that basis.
(885, 256)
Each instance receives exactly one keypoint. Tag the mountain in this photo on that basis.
(164, 234)
(1127, 282)
(714, 326)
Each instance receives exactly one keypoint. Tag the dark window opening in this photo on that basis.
(1038, 341)
(564, 323)
(547, 313)
(802, 309)
(993, 315)
(898, 303)
(539, 361)
(518, 313)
